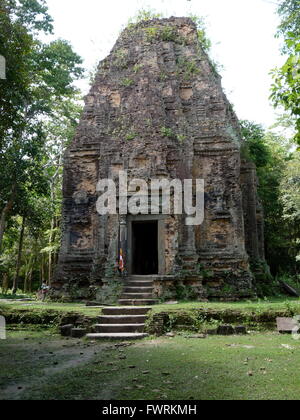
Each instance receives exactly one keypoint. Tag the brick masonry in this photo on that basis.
(157, 110)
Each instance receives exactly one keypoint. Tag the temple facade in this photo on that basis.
(157, 110)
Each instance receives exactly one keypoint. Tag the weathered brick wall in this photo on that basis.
(157, 110)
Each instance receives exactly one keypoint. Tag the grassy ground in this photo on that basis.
(247, 306)
(40, 365)
(61, 307)
(257, 305)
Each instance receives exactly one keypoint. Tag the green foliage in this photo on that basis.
(291, 280)
(201, 31)
(205, 42)
(185, 292)
(111, 292)
(179, 291)
(290, 189)
(39, 111)
(163, 33)
(290, 200)
(19, 295)
(126, 82)
(151, 33)
(144, 15)
(187, 68)
(289, 11)
(167, 132)
(228, 290)
(255, 147)
(261, 271)
(166, 296)
(286, 85)
(131, 136)
(181, 138)
(121, 59)
(45, 76)
(168, 34)
(111, 271)
(137, 68)
(163, 77)
(273, 155)
(203, 272)
(31, 14)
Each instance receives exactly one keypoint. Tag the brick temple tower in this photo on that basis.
(157, 110)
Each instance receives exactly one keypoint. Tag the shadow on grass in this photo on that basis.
(217, 368)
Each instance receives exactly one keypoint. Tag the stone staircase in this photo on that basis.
(127, 321)
(138, 290)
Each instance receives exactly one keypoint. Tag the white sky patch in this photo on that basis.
(242, 33)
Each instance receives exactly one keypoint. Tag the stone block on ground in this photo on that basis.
(286, 325)
(78, 332)
(225, 330)
(66, 330)
(212, 332)
(240, 329)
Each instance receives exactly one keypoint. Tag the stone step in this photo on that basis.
(140, 279)
(137, 296)
(130, 289)
(119, 328)
(133, 302)
(116, 336)
(116, 310)
(138, 284)
(122, 319)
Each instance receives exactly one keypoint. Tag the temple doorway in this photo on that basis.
(145, 247)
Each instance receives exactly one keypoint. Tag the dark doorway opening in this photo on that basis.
(145, 247)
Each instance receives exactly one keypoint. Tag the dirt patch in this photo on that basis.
(63, 355)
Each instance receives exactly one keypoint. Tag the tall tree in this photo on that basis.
(39, 75)
(272, 155)
(286, 86)
(290, 199)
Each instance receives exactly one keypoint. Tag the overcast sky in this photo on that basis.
(242, 32)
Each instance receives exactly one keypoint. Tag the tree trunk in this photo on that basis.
(53, 220)
(16, 278)
(27, 274)
(5, 212)
(29, 284)
(28, 281)
(50, 259)
(5, 284)
(42, 270)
